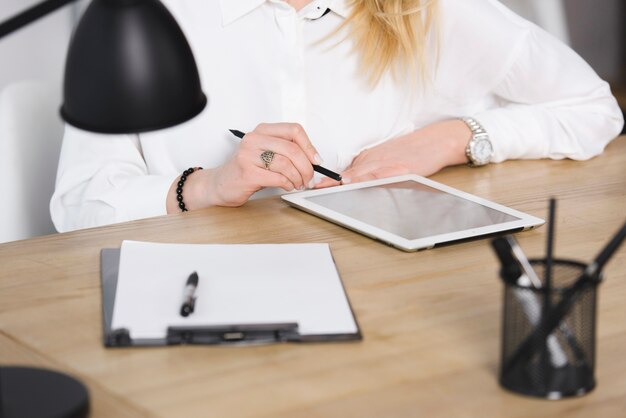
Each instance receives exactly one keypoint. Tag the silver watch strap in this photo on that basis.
(475, 127)
(479, 134)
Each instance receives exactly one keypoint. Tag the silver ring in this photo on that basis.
(267, 157)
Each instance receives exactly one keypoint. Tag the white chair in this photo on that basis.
(31, 131)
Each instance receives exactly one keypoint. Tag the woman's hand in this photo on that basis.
(245, 173)
(423, 152)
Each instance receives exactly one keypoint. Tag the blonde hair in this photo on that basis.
(391, 35)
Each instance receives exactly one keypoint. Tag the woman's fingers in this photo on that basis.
(288, 165)
(282, 165)
(272, 155)
(288, 156)
(326, 182)
(371, 170)
(293, 132)
(363, 172)
(250, 172)
(273, 179)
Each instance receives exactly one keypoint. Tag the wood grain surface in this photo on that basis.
(430, 320)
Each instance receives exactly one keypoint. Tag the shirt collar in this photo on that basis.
(317, 8)
(234, 9)
(341, 7)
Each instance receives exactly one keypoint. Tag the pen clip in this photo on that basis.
(234, 334)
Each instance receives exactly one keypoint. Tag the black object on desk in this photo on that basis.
(569, 316)
(589, 277)
(563, 362)
(33, 392)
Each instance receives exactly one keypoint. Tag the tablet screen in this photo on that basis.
(411, 210)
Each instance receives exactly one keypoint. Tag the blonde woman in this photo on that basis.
(373, 88)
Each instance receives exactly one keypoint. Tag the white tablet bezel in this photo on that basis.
(299, 200)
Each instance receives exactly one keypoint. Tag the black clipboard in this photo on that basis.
(236, 334)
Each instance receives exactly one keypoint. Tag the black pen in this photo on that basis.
(189, 300)
(317, 168)
(547, 281)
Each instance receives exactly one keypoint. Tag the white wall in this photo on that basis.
(593, 28)
(549, 14)
(32, 61)
(36, 51)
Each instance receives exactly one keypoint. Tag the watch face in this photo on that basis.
(481, 151)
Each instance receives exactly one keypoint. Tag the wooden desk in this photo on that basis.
(431, 320)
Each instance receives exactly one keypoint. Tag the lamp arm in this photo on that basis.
(30, 15)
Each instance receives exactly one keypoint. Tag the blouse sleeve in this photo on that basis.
(104, 179)
(550, 103)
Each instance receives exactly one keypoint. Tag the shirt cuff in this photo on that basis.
(514, 132)
(153, 190)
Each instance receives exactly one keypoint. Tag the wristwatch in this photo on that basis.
(479, 150)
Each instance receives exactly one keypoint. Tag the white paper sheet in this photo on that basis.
(238, 284)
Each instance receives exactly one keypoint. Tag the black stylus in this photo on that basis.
(317, 168)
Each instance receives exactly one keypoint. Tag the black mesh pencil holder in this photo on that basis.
(562, 364)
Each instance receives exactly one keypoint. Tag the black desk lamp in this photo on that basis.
(129, 69)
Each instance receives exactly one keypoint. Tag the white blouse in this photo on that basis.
(261, 61)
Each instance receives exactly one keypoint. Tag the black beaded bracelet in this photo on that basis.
(181, 183)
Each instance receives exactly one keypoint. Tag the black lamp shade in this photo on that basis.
(130, 69)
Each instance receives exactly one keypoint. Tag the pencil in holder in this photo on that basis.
(563, 364)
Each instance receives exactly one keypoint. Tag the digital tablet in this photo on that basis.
(411, 212)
